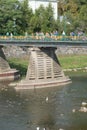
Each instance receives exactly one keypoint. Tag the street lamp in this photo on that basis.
(64, 19)
(57, 9)
(65, 23)
(14, 25)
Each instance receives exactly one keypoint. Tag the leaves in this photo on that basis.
(17, 17)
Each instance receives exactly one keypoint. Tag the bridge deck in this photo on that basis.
(41, 43)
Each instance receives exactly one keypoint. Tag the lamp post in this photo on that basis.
(65, 23)
(14, 26)
(64, 19)
(57, 9)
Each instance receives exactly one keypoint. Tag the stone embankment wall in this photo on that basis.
(14, 51)
(72, 50)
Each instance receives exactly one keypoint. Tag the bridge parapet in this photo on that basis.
(45, 38)
(29, 42)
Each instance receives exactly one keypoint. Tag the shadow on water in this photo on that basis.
(41, 104)
(50, 108)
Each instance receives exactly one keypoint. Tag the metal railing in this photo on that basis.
(45, 38)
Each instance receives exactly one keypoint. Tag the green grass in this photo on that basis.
(66, 61)
(73, 61)
(19, 64)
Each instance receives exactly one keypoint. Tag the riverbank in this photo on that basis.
(73, 61)
(68, 63)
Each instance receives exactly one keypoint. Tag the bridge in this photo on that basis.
(44, 69)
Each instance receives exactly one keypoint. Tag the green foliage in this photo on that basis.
(17, 17)
(9, 10)
(83, 17)
(19, 64)
(43, 19)
(26, 14)
(76, 12)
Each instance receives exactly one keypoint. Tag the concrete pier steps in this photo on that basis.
(44, 70)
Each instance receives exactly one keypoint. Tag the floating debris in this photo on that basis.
(73, 110)
(83, 109)
(84, 103)
(38, 128)
(46, 99)
(61, 129)
(61, 114)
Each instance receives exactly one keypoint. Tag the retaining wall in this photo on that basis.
(15, 51)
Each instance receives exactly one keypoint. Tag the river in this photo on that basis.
(55, 108)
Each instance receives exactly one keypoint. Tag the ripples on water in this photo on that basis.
(28, 109)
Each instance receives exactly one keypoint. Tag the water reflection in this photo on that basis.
(28, 109)
(42, 112)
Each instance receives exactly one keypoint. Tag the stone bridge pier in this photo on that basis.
(44, 70)
(6, 73)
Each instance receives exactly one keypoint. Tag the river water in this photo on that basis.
(48, 109)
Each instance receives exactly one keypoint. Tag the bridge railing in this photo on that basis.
(46, 38)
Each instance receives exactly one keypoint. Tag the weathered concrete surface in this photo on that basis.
(44, 70)
(15, 51)
(68, 50)
(6, 73)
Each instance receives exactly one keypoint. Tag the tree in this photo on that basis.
(43, 19)
(75, 12)
(17, 17)
(38, 19)
(83, 18)
(49, 18)
(26, 14)
(9, 11)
